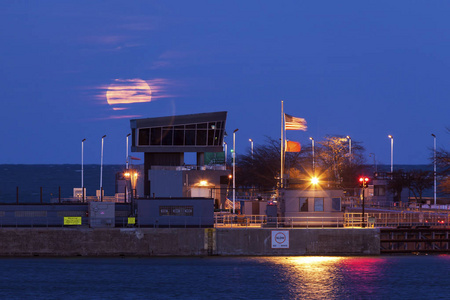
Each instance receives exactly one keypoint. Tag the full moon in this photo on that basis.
(128, 91)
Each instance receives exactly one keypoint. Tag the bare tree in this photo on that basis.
(443, 161)
(399, 180)
(334, 158)
(332, 163)
(419, 181)
(262, 170)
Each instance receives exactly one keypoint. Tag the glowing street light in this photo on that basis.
(314, 180)
(434, 161)
(251, 146)
(363, 183)
(131, 175)
(392, 152)
(134, 176)
(234, 170)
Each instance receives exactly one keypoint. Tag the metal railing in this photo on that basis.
(240, 221)
(395, 219)
(347, 220)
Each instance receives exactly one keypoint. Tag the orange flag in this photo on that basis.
(293, 146)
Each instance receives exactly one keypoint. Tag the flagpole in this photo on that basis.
(282, 146)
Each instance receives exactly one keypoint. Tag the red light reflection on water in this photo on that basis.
(365, 271)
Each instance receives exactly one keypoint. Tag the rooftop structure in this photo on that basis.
(164, 142)
(187, 133)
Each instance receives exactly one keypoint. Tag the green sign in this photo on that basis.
(72, 220)
(214, 158)
(131, 220)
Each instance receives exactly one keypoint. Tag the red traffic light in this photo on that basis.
(363, 181)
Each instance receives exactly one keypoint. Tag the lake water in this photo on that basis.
(30, 178)
(391, 277)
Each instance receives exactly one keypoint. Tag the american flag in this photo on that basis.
(294, 123)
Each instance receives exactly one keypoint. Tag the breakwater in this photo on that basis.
(187, 242)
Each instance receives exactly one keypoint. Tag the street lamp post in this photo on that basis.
(234, 170)
(225, 148)
(374, 161)
(313, 167)
(251, 146)
(392, 153)
(434, 161)
(101, 170)
(126, 167)
(349, 147)
(82, 168)
(127, 152)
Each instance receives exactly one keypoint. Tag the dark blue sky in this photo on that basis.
(360, 68)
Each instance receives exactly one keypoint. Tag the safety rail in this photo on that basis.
(356, 220)
(117, 222)
(397, 219)
(239, 221)
(346, 220)
(424, 219)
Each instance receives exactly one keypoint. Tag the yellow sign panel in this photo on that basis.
(131, 220)
(72, 220)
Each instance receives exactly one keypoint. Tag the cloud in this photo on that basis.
(168, 58)
(105, 39)
(116, 117)
(143, 26)
(123, 117)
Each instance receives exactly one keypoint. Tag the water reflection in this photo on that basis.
(392, 277)
(328, 277)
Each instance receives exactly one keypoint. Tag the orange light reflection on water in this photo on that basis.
(322, 277)
(311, 277)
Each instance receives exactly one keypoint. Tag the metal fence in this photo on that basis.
(117, 222)
(346, 220)
(397, 219)
(240, 221)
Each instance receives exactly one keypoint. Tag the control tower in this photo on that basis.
(165, 140)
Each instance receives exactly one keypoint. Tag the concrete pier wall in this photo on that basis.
(183, 242)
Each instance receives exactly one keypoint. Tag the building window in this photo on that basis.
(155, 138)
(211, 137)
(201, 137)
(379, 190)
(336, 204)
(178, 136)
(167, 136)
(318, 204)
(217, 137)
(202, 134)
(28, 214)
(190, 135)
(186, 211)
(303, 204)
(144, 136)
